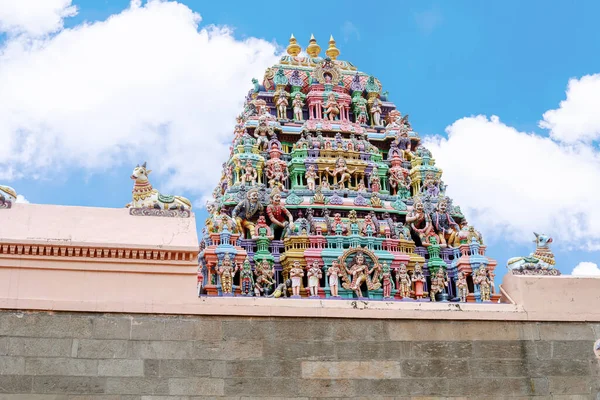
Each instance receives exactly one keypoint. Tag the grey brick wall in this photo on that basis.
(69, 356)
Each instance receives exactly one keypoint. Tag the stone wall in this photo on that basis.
(45, 356)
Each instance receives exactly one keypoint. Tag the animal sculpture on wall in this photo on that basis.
(145, 196)
(540, 262)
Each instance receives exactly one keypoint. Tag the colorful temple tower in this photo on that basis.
(328, 192)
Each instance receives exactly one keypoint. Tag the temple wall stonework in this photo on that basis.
(52, 356)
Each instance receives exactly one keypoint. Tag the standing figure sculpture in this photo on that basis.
(358, 272)
(227, 271)
(341, 170)
(332, 108)
(376, 112)
(419, 281)
(246, 213)
(298, 104)
(334, 273)
(403, 281)
(282, 104)
(374, 180)
(280, 217)
(438, 284)
(462, 287)
(277, 173)
(311, 176)
(400, 182)
(249, 176)
(387, 282)
(314, 274)
(246, 278)
(430, 186)
(445, 226)
(262, 133)
(264, 278)
(296, 274)
(360, 111)
(484, 283)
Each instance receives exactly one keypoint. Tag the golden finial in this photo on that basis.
(293, 48)
(313, 48)
(332, 52)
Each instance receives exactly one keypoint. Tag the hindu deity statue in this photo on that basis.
(341, 173)
(361, 188)
(430, 186)
(374, 180)
(403, 282)
(246, 278)
(282, 104)
(334, 272)
(481, 278)
(264, 278)
(281, 218)
(296, 274)
(249, 175)
(439, 283)
(262, 133)
(246, 212)
(359, 272)
(311, 176)
(332, 108)
(297, 104)
(418, 279)
(462, 287)
(420, 222)
(314, 274)
(399, 181)
(277, 173)
(337, 225)
(360, 111)
(369, 228)
(227, 271)
(262, 229)
(387, 282)
(200, 281)
(376, 112)
(445, 226)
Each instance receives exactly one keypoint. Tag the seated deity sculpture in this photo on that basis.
(282, 222)
(332, 108)
(445, 226)
(246, 212)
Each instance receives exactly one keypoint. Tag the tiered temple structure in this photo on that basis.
(328, 186)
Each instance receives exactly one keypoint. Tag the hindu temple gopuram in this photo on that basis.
(328, 192)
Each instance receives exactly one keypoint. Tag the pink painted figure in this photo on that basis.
(298, 104)
(334, 273)
(282, 103)
(358, 273)
(403, 282)
(332, 108)
(374, 180)
(311, 176)
(296, 274)
(462, 287)
(386, 281)
(314, 275)
(368, 226)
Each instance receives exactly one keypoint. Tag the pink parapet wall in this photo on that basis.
(105, 260)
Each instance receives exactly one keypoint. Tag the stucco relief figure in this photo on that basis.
(430, 186)
(484, 283)
(311, 176)
(264, 278)
(420, 222)
(332, 108)
(246, 213)
(227, 271)
(249, 174)
(403, 282)
(314, 274)
(358, 272)
(263, 133)
(296, 274)
(282, 104)
(145, 196)
(334, 272)
(277, 173)
(362, 115)
(400, 182)
(387, 282)
(374, 180)
(439, 283)
(462, 287)
(376, 112)
(418, 280)
(298, 104)
(246, 278)
(341, 172)
(280, 217)
(445, 226)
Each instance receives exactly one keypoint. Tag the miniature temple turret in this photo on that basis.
(328, 185)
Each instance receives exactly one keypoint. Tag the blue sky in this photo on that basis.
(441, 61)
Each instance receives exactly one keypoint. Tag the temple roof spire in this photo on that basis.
(293, 48)
(332, 52)
(313, 48)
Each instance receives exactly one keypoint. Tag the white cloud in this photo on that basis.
(34, 17)
(350, 31)
(577, 118)
(510, 183)
(428, 20)
(145, 84)
(22, 199)
(586, 268)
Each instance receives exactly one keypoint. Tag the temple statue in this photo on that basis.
(246, 213)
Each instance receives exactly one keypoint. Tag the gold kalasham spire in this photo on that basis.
(313, 48)
(332, 52)
(293, 48)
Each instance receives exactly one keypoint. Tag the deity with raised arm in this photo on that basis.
(277, 174)
(282, 104)
(430, 186)
(246, 212)
(280, 216)
(311, 176)
(334, 272)
(420, 222)
(400, 182)
(403, 281)
(445, 226)
(296, 274)
(314, 274)
(332, 108)
(342, 171)
(249, 174)
(298, 104)
(376, 112)
(358, 272)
